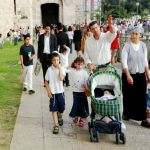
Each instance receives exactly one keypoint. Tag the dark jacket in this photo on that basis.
(62, 39)
(77, 36)
(53, 45)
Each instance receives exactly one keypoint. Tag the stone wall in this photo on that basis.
(28, 13)
(6, 16)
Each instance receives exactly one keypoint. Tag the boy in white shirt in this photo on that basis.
(65, 51)
(54, 86)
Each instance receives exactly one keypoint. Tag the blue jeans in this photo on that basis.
(148, 98)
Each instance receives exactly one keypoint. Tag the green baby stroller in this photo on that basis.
(106, 79)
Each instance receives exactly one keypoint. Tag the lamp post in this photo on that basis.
(85, 10)
(99, 10)
(137, 7)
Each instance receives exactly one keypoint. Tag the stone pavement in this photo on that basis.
(33, 129)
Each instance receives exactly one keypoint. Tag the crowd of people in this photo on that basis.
(95, 46)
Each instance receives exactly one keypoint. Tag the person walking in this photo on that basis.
(62, 37)
(78, 77)
(97, 47)
(54, 87)
(77, 39)
(47, 43)
(135, 66)
(70, 34)
(27, 54)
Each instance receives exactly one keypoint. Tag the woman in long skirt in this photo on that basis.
(135, 66)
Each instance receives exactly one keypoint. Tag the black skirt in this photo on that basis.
(78, 45)
(134, 97)
(80, 106)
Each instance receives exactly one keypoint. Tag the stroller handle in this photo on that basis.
(103, 67)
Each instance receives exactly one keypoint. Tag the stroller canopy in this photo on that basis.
(106, 79)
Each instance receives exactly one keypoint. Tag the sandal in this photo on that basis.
(75, 120)
(81, 123)
(55, 130)
(60, 119)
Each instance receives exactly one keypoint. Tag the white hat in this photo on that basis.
(137, 29)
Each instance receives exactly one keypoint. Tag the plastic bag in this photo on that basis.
(37, 68)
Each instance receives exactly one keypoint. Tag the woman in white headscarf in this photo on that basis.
(135, 71)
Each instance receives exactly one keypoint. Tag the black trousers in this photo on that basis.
(45, 64)
(66, 80)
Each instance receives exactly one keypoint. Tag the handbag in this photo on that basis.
(37, 68)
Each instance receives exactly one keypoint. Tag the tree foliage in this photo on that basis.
(125, 8)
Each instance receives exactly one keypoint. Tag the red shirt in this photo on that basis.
(115, 43)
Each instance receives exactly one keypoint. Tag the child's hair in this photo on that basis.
(63, 49)
(26, 36)
(77, 60)
(54, 54)
(0, 35)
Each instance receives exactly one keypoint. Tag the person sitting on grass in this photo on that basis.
(54, 87)
(27, 54)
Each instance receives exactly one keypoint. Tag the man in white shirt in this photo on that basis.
(97, 47)
(97, 50)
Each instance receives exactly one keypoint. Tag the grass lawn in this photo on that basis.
(10, 92)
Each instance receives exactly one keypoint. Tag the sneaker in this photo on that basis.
(145, 123)
(55, 130)
(31, 92)
(24, 89)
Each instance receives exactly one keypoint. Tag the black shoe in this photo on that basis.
(125, 118)
(24, 89)
(67, 85)
(145, 123)
(31, 92)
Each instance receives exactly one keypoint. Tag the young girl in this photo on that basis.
(78, 77)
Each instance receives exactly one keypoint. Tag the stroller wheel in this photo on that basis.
(117, 138)
(94, 135)
(123, 138)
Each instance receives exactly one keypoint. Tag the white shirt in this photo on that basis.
(124, 56)
(70, 34)
(98, 52)
(1, 40)
(64, 58)
(55, 84)
(78, 79)
(46, 45)
(15, 34)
